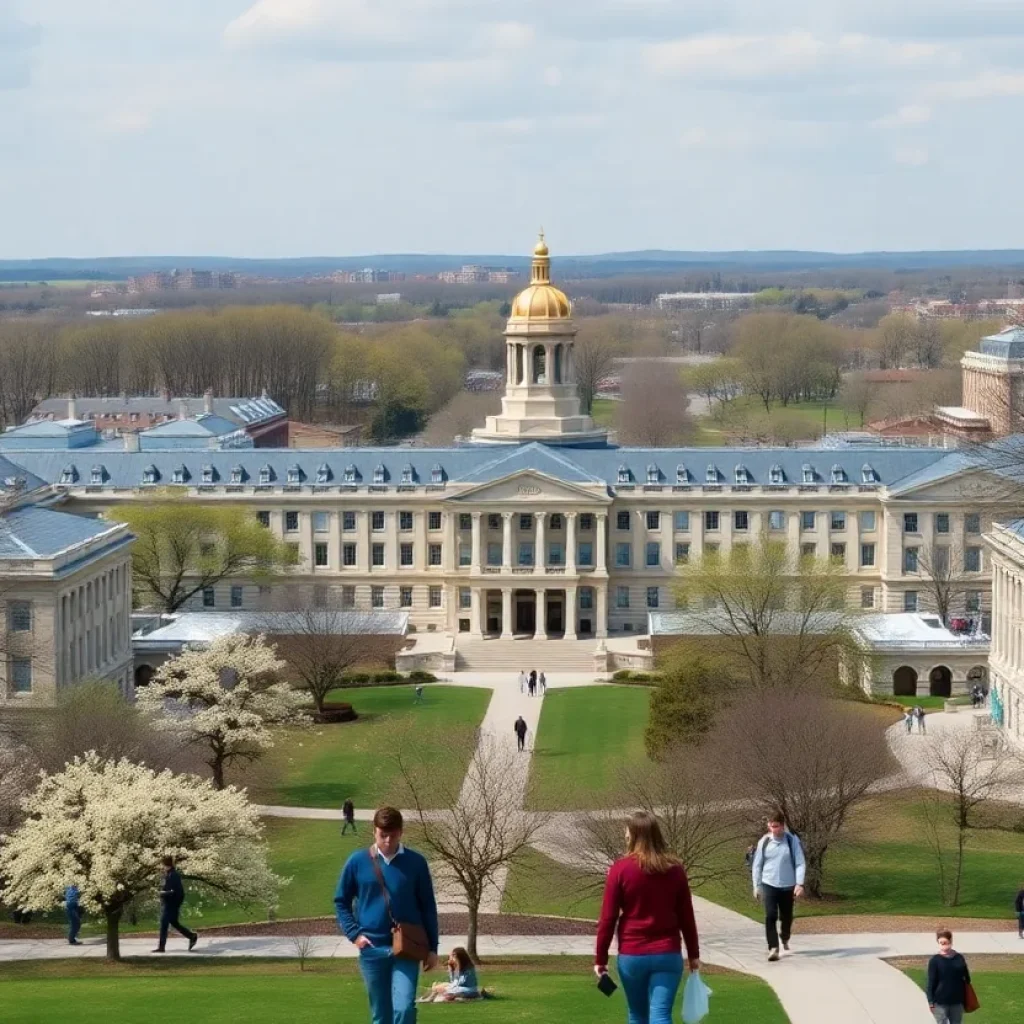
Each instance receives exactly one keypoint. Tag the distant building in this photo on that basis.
(472, 273)
(321, 435)
(389, 298)
(943, 309)
(368, 275)
(705, 300)
(181, 280)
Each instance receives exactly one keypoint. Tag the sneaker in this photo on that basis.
(773, 955)
(785, 945)
(158, 950)
(73, 942)
(192, 942)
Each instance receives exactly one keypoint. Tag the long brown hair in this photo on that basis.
(462, 958)
(647, 845)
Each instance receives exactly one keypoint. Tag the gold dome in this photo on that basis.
(541, 300)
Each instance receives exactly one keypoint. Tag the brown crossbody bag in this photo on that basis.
(408, 941)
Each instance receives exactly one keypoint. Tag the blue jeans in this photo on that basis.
(74, 915)
(650, 982)
(390, 984)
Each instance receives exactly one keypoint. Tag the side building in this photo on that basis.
(1006, 662)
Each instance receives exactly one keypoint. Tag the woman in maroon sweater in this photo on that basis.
(647, 899)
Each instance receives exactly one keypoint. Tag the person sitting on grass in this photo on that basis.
(461, 984)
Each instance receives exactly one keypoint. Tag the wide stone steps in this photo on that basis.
(526, 653)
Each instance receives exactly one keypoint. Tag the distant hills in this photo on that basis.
(645, 261)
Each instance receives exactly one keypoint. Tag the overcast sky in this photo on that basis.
(315, 127)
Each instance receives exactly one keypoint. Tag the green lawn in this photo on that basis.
(586, 735)
(1000, 992)
(320, 767)
(928, 703)
(604, 412)
(538, 991)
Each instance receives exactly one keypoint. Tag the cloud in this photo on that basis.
(125, 122)
(987, 85)
(911, 113)
(911, 156)
(18, 44)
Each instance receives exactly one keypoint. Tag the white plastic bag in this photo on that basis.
(695, 999)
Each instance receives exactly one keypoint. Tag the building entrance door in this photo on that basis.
(555, 621)
(526, 612)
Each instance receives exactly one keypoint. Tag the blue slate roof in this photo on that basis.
(541, 458)
(207, 425)
(1007, 344)
(15, 478)
(33, 532)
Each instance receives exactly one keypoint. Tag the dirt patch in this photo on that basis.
(850, 923)
(995, 962)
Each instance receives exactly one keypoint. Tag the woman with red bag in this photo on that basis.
(949, 989)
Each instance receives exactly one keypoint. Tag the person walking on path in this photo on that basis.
(948, 978)
(778, 875)
(919, 715)
(172, 896)
(73, 912)
(522, 682)
(542, 682)
(1018, 906)
(418, 695)
(520, 729)
(647, 903)
(369, 905)
(348, 814)
(533, 682)
(908, 720)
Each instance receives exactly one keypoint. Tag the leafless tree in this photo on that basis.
(943, 573)
(476, 828)
(654, 410)
(28, 368)
(593, 358)
(857, 395)
(305, 946)
(812, 757)
(464, 411)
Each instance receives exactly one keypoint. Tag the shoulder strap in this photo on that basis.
(383, 885)
(789, 843)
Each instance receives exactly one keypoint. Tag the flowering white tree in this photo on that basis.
(105, 825)
(224, 697)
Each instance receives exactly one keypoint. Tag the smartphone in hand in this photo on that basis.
(606, 985)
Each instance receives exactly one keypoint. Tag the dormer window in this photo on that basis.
(179, 475)
(742, 475)
(775, 475)
(68, 475)
(653, 475)
(265, 475)
(407, 475)
(350, 474)
(237, 474)
(379, 475)
(711, 476)
(150, 475)
(838, 475)
(98, 475)
(868, 475)
(682, 477)
(208, 475)
(294, 475)
(323, 473)
(437, 475)
(622, 476)
(807, 473)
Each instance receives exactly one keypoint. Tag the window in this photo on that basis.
(348, 597)
(910, 560)
(408, 476)
(652, 597)
(711, 474)
(586, 522)
(149, 475)
(910, 600)
(405, 554)
(376, 597)
(972, 523)
(350, 475)
(321, 522)
(465, 597)
(586, 599)
(940, 562)
(682, 475)
(377, 521)
(405, 521)
(682, 522)
(434, 597)
(742, 475)
(808, 521)
(942, 522)
(437, 474)
(348, 521)
(972, 601)
(910, 522)
(263, 518)
(653, 553)
(19, 616)
(433, 554)
(556, 520)
(291, 522)
(405, 597)
(682, 552)
(710, 520)
(465, 521)
(867, 521)
(348, 554)
(585, 553)
(838, 475)
(622, 520)
(807, 473)
(494, 553)
(493, 521)
(236, 597)
(868, 474)
(294, 475)
(775, 475)
(526, 552)
(433, 520)
(377, 555)
(209, 598)
(838, 552)
(653, 474)
(525, 521)
(653, 520)
(622, 555)
(776, 520)
(465, 554)
(379, 476)
(867, 597)
(320, 555)
(323, 473)
(741, 520)
(622, 597)
(867, 555)
(556, 554)
(972, 559)
(207, 549)
(21, 675)
(68, 475)
(808, 550)
(837, 521)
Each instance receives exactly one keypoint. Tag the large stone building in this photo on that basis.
(1006, 661)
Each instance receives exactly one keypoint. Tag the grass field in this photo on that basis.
(537, 991)
(928, 703)
(1000, 991)
(320, 767)
(586, 735)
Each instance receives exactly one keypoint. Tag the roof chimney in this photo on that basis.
(208, 401)
(131, 441)
(182, 409)
(72, 411)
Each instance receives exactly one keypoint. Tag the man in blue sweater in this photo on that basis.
(778, 874)
(363, 918)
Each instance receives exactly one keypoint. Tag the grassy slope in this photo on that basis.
(1001, 994)
(268, 992)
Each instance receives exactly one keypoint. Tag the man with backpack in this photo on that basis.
(348, 815)
(778, 875)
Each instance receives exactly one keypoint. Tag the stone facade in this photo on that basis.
(1006, 663)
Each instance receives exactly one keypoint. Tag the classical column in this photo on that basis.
(549, 364)
(602, 541)
(419, 551)
(540, 555)
(601, 623)
(506, 541)
(570, 613)
(570, 543)
(363, 559)
(336, 541)
(506, 613)
(449, 554)
(475, 561)
(476, 626)
(540, 631)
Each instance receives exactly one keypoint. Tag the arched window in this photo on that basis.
(540, 365)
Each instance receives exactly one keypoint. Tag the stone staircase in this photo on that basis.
(525, 653)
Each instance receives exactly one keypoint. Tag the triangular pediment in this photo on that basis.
(530, 486)
(971, 487)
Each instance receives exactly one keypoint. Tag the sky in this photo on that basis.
(275, 128)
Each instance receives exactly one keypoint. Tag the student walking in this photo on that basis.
(73, 912)
(647, 904)
(520, 729)
(542, 682)
(522, 682)
(948, 980)
(908, 720)
(1018, 906)
(418, 695)
(533, 682)
(172, 896)
(919, 714)
(348, 814)
(382, 887)
(778, 875)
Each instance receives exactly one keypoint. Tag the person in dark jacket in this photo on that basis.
(948, 978)
(1018, 906)
(73, 912)
(647, 902)
(172, 896)
(348, 814)
(520, 729)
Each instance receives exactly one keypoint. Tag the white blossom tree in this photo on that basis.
(105, 825)
(224, 697)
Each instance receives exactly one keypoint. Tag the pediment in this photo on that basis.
(534, 488)
(967, 488)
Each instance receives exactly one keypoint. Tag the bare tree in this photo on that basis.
(592, 358)
(812, 757)
(464, 411)
(478, 829)
(857, 395)
(654, 409)
(943, 573)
